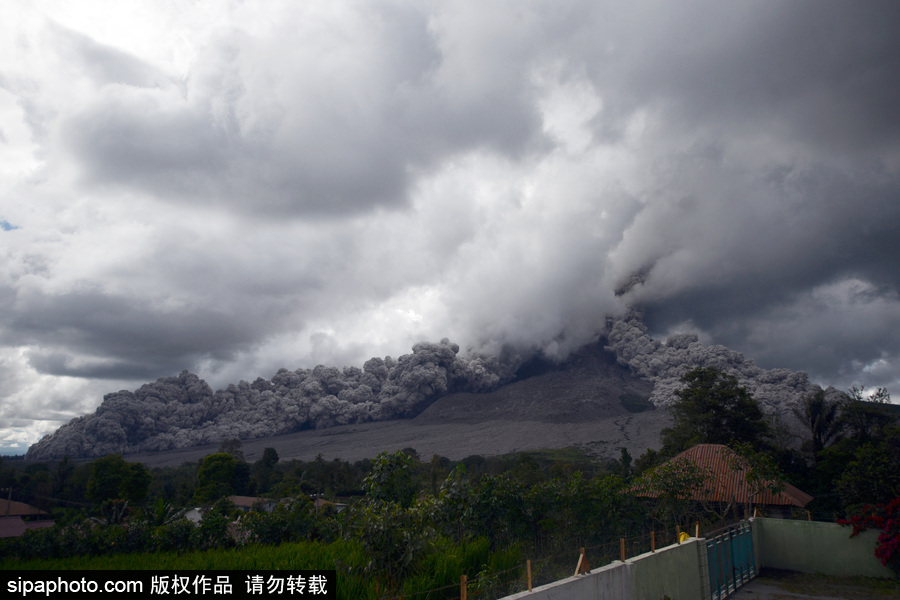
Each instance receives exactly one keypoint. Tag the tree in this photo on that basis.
(873, 475)
(675, 487)
(392, 478)
(113, 478)
(221, 474)
(269, 458)
(885, 517)
(264, 470)
(865, 419)
(233, 447)
(822, 418)
(713, 409)
(761, 472)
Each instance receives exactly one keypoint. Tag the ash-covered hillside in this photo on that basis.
(182, 411)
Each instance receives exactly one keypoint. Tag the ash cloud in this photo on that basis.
(664, 362)
(183, 411)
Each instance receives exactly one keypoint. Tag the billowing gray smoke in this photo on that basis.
(663, 363)
(179, 412)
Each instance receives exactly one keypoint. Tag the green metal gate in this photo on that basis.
(731, 564)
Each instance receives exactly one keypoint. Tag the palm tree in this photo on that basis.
(822, 418)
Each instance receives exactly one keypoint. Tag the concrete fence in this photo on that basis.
(673, 571)
(816, 547)
(681, 571)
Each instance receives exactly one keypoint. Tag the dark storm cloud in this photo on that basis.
(822, 72)
(778, 178)
(306, 121)
(92, 334)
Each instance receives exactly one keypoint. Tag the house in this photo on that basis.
(726, 483)
(321, 503)
(17, 517)
(247, 503)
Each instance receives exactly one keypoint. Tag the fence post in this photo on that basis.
(529, 574)
(622, 548)
(652, 541)
(582, 566)
(678, 533)
(463, 584)
(697, 530)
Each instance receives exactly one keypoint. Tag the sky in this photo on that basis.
(236, 187)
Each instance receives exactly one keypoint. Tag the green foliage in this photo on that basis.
(174, 536)
(220, 475)
(348, 557)
(113, 478)
(762, 474)
(822, 418)
(675, 487)
(264, 471)
(873, 474)
(233, 447)
(213, 530)
(288, 522)
(392, 478)
(713, 409)
(865, 420)
(393, 537)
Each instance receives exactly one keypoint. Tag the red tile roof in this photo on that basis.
(727, 481)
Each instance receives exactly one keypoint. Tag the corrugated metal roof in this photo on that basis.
(727, 481)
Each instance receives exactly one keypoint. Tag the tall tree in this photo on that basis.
(221, 474)
(865, 418)
(822, 418)
(114, 478)
(392, 478)
(713, 409)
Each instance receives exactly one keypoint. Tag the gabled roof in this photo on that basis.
(727, 480)
(248, 501)
(18, 509)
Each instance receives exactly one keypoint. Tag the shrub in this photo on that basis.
(885, 517)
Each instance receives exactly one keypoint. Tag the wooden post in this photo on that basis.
(678, 533)
(697, 530)
(652, 541)
(622, 549)
(755, 510)
(528, 564)
(808, 516)
(463, 584)
(582, 566)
